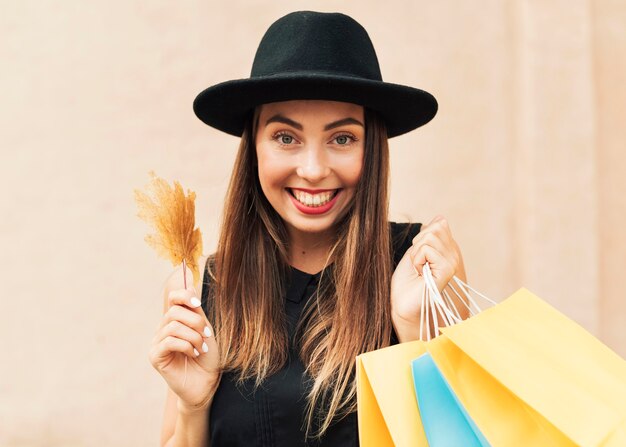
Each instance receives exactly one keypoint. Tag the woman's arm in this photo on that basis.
(182, 426)
(191, 429)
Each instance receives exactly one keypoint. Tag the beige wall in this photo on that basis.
(526, 159)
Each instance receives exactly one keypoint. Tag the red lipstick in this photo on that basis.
(317, 209)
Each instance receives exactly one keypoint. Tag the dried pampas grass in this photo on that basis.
(172, 214)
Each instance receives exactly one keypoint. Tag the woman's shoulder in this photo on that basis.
(402, 234)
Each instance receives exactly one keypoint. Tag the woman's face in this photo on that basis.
(310, 155)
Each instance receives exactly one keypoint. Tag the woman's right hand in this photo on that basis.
(183, 328)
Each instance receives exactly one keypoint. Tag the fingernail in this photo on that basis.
(205, 348)
(195, 351)
(207, 331)
(195, 302)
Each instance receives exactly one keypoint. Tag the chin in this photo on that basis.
(312, 227)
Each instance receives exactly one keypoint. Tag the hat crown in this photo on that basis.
(309, 41)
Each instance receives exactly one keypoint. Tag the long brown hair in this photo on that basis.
(350, 312)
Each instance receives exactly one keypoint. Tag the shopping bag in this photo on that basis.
(526, 373)
(617, 438)
(445, 421)
(387, 408)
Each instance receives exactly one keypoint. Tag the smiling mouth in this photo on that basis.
(313, 200)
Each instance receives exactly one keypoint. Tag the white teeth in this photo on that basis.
(313, 200)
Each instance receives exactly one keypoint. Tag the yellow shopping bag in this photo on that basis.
(530, 376)
(526, 374)
(387, 408)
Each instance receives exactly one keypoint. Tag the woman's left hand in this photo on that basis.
(433, 244)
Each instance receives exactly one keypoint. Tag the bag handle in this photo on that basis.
(437, 305)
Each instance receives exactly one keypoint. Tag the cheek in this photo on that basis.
(272, 172)
(352, 170)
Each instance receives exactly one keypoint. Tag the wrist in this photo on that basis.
(405, 330)
(191, 410)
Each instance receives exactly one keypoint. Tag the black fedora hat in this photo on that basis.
(315, 55)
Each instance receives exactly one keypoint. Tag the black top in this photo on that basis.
(273, 416)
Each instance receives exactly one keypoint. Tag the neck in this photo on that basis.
(308, 251)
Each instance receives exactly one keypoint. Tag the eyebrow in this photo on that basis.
(278, 118)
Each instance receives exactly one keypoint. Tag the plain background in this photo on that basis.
(525, 159)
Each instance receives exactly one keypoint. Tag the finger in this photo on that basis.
(439, 226)
(180, 330)
(188, 317)
(448, 250)
(184, 297)
(169, 345)
(439, 220)
(420, 255)
(433, 221)
(434, 241)
(440, 267)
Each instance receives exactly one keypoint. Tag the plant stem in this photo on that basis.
(185, 283)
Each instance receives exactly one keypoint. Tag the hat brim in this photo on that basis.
(227, 105)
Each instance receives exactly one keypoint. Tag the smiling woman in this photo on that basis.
(308, 272)
(310, 158)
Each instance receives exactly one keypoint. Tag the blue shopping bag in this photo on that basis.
(445, 421)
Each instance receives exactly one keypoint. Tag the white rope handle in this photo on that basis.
(440, 307)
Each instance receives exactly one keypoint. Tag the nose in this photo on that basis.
(313, 165)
